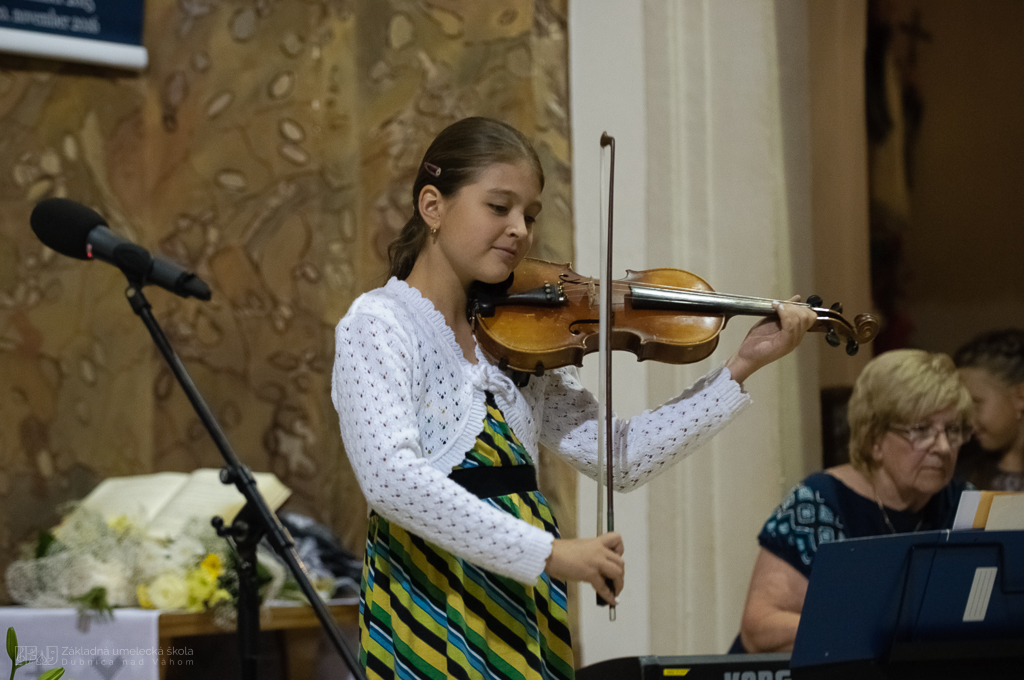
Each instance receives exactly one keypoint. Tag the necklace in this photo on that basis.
(885, 515)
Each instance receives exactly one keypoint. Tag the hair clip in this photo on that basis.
(432, 169)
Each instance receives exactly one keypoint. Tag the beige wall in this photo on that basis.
(839, 180)
(270, 147)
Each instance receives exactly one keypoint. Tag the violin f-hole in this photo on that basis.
(576, 326)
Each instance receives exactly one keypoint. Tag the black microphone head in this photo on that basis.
(193, 286)
(64, 225)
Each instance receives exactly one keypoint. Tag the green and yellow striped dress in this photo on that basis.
(425, 613)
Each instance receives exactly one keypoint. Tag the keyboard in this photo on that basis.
(706, 667)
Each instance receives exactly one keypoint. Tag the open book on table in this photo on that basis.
(164, 502)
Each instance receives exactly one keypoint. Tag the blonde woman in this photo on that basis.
(908, 416)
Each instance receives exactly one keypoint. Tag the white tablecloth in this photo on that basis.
(125, 648)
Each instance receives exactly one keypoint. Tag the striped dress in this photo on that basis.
(425, 613)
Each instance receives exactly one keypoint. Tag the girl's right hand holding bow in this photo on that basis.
(594, 560)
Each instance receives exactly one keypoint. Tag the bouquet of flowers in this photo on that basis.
(96, 565)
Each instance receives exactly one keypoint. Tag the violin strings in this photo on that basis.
(710, 295)
(576, 294)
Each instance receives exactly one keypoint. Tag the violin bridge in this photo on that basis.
(592, 297)
(557, 293)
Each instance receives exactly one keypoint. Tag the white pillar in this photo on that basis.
(607, 95)
(708, 102)
(728, 196)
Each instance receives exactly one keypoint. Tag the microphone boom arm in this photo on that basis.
(255, 519)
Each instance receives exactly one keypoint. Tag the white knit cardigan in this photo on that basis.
(411, 406)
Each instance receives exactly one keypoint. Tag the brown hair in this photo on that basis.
(1001, 353)
(901, 387)
(456, 158)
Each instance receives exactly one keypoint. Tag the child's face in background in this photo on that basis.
(997, 408)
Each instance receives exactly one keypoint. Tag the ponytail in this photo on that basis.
(403, 251)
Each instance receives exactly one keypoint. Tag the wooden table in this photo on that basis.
(294, 620)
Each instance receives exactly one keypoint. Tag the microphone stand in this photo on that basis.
(252, 523)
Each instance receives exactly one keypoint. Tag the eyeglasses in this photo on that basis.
(923, 435)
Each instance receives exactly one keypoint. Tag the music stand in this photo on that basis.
(938, 604)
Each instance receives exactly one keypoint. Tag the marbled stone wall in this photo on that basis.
(270, 146)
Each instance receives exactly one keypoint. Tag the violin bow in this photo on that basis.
(605, 462)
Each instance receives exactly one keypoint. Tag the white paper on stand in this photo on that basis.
(966, 511)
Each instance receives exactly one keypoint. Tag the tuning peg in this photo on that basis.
(814, 301)
(832, 338)
(837, 308)
(852, 346)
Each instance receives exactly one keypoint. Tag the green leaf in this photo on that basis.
(23, 663)
(94, 600)
(43, 543)
(52, 674)
(12, 644)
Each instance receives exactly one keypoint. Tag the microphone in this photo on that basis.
(74, 230)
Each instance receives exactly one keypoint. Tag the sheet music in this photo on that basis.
(164, 502)
(1006, 514)
(140, 498)
(976, 507)
(204, 496)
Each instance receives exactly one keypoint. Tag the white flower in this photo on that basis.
(186, 552)
(86, 572)
(169, 591)
(81, 528)
(155, 559)
(158, 557)
(114, 577)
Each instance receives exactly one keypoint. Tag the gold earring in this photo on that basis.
(433, 234)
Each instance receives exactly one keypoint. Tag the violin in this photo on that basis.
(546, 316)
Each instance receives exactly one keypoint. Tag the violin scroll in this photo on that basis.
(863, 329)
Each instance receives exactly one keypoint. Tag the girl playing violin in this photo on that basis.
(465, 573)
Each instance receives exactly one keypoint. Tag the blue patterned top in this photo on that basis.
(822, 509)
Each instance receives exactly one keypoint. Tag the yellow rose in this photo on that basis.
(169, 591)
(143, 594)
(201, 586)
(219, 595)
(212, 565)
(121, 524)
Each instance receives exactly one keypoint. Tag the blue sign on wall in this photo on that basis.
(96, 31)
